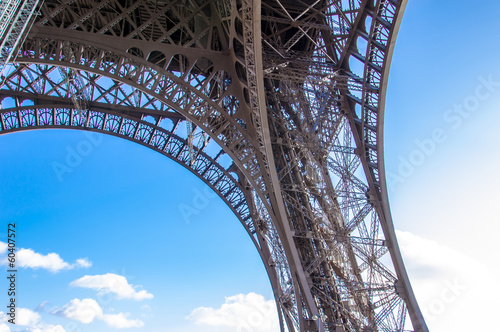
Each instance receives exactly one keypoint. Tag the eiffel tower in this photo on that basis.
(292, 92)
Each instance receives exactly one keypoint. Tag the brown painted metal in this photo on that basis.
(292, 91)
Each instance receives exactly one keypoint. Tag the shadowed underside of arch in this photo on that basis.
(292, 91)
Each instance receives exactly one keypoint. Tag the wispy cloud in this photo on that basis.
(250, 312)
(446, 283)
(83, 262)
(87, 310)
(28, 258)
(112, 283)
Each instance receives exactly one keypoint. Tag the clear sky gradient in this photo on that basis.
(107, 246)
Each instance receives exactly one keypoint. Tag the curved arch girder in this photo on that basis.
(228, 123)
(26, 83)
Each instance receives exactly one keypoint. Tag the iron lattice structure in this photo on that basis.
(291, 91)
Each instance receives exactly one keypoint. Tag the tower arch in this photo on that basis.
(274, 85)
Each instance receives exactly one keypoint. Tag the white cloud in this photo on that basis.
(83, 262)
(26, 317)
(3, 317)
(28, 258)
(30, 319)
(3, 247)
(87, 310)
(43, 307)
(47, 328)
(112, 283)
(121, 321)
(84, 311)
(52, 262)
(430, 260)
(244, 312)
(448, 284)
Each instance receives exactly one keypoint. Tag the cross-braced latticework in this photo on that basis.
(276, 105)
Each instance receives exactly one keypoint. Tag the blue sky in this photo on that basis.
(121, 209)
(116, 217)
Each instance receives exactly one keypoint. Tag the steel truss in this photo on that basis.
(16, 17)
(291, 91)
